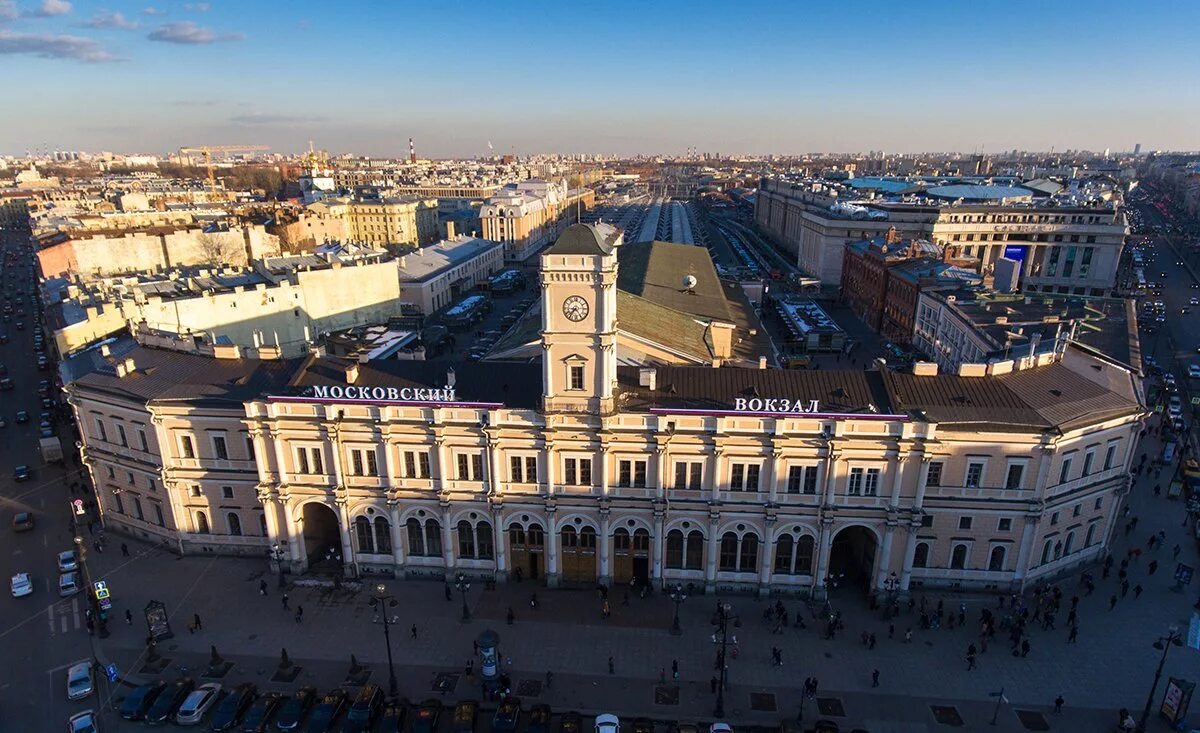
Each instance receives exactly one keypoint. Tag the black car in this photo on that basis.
(21, 473)
(295, 709)
(507, 715)
(230, 710)
(643, 725)
(326, 713)
(258, 718)
(136, 703)
(539, 719)
(364, 710)
(465, 713)
(169, 700)
(425, 720)
(392, 720)
(571, 722)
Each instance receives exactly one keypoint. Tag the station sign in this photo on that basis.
(377, 395)
(778, 407)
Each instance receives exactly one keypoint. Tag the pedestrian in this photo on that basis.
(262, 587)
(533, 601)
(908, 635)
(1152, 567)
(874, 678)
(413, 631)
(1137, 591)
(99, 547)
(1112, 603)
(674, 669)
(124, 550)
(1058, 703)
(128, 617)
(284, 601)
(299, 613)
(1124, 588)
(970, 662)
(871, 642)
(605, 611)
(196, 621)
(1024, 648)
(891, 631)
(611, 669)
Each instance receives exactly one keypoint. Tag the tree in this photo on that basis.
(215, 249)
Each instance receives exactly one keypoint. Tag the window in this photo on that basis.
(631, 473)
(220, 449)
(996, 558)
(483, 541)
(121, 435)
(142, 440)
(250, 448)
(926, 520)
(783, 554)
(974, 473)
(739, 554)
(262, 525)
(227, 492)
(235, 523)
(466, 539)
(854, 482)
(137, 509)
(748, 557)
(129, 478)
(302, 460)
(1064, 473)
(201, 523)
(1089, 458)
(416, 464)
(871, 485)
(416, 537)
(1004, 525)
(433, 538)
(101, 433)
(744, 477)
(1110, 456)
(111, 473)
(383, 536)
(964, 522)
(372, 463)
(308, 460)
(933, 476)
(685, 552)
(687, 475)
(802, 479)
(364, 535)
(117, 503)
(364, 462)
(158, 515)
(575, 379)
(1099, 503)
(729, 552)
(186, 446)
(921, 555)
(1046, 550)
(1091, 535)
(1054, 519)
(1070, 543)
(958, 557)
(470, 466)
(1016, 473)
(151, 486)
(1075, 512)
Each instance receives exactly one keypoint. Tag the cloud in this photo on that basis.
(153, 11)
(197, 7)
(188, 33)
(273, 119)
(53, 47)
(111, 20)
(50, 8)
(8, 10)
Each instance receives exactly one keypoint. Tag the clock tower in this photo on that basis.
(579, 320)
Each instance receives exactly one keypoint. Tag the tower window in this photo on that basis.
(575, 375)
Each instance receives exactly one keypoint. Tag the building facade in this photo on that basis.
(578, 470)
(406, 221)
(432, 277)
(529, 215)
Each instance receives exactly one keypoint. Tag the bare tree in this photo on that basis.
(215, 249)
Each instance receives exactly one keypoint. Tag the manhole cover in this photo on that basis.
(445, 682)
(762, 701)
(831, 706)
(529, 688)
(666, 695)
(1032, 720)
(946, 715)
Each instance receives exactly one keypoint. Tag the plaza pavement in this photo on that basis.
(1111, 666)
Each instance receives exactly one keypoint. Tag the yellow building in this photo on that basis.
(390, 222)
(529, 215)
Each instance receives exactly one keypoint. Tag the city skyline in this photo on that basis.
(613, 79)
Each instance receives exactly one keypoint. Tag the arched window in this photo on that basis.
(996, 559)
(201, 523)
(383, 536)
(537, 536)
(1046, 550)
(729, 552)
(587, 538)
(1070, 545)
(1058, 550)
(921, 555)
(693, 556)
(675, 549)
(570, 538)
(748, 558)
(783, 554)
(804, 555)
(641, 541)
(485, 547)
(958, 557)
(235, 524)
(621, 541)
(416, 537)
(262, 523)
(433, 538)
(362, 532)
(466, 539)
(1090, 537)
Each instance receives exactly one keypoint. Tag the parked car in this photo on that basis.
(22, 585)
(83, 722)
(608, 723)
(22, 521)
(68, 584)
(643, 725)
(231, 709)
(260, 714)
(326, 713)
(392, 719)
(22, 416)
(465, 713)
(539, 719)
(67, 561)
(169, 700)
(425, 720)
(1193, 371)
(137, 703)
(197, 703)
(295, 709)
(364, 710)
(571, 722)
(508, 714)
(22, 473)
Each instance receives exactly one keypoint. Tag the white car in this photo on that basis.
(1194, 301)
(197, 703)
(80, 683)
(22, 585)
(67, 561)
(68, 584)
(1193, 371)
(1175, 406)
(608, 723)
(85, 722)
(720, 727)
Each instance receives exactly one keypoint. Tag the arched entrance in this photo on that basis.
(631, 557)
(526, 548)
(322, 538)
(852, 558)
(578, 555)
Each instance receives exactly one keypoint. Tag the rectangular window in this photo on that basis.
(974, 474)
(1004, 525)
(964, 522)
(153, 487)
(121, 435)
(1077, 510)
(356, 463)
(1064, 473)
(926, 520)
(576, 377)
(531, 469)
(795, 479)
(577, 471)
(372, 463)
(477, 467)
(317, 461)
(1110, 456)
(129, 478)
(639, 474)
(302, 460)
(1088, 459)
(142, 441)
(687, 475)
(464, 467)
(871, 486)
(250, 447)
(624, 473)
(737, 476)
(855, 482)
(1016, 473)
(185, 444)
(227, 492)
(934, 476)
(220, 449)
(158, 515)
(1099, 503)
(100, 431)
(1054, 518)
(516, 472)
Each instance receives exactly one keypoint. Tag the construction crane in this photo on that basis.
(208, 150)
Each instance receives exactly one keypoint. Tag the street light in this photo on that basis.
(1173, 638)
(93, 603)
(276, 553)
(724, 616)
(381, 602)
(463, 585)
(677, 597)
(892, 586)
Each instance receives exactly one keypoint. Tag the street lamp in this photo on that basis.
(891, 585)
(1173, 638)
(381, 602)
(677, 597)
(276, 553)
(463, 585)
(93, 603)
(723, 618)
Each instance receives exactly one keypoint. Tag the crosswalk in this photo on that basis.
(65, 616)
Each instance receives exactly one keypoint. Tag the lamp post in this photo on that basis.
(677, 597)
(463, 585)
(1173, 638)
(276, 553)
(892, 586)
(724, 616)
(93, 603)
(381, 602)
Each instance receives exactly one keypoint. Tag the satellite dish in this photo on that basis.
(689, 282)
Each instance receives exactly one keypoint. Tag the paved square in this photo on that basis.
(946, 715)
(762, 701)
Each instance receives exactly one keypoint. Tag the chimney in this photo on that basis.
(105, 351)
(125, 368)
(648, 378)
(352, 373)
(762, 362)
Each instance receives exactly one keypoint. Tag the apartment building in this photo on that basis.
(391, 222)
(529, 215)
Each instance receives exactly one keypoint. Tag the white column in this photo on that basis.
(831, 461)
(714, 549)
(343, 512)
(441, 465)
(765, 560)
(910, 551)
(885, 557)
(661, 469)
(658, 543)
(897, 466)
(397, 536)
(605, 548)
(823, 555)
(551, 548)
(281, 462)
(295, 534)
(391, 469)
(773, 474)
(493, 468)
(548, 462)
(448, 534)
(922, 482)
(1028, 532)
(500, 538)
(602, 474)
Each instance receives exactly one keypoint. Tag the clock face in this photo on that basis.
(575, 308)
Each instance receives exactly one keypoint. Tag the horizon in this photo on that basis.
(654, 81)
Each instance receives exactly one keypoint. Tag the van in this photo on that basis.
(1170, 450)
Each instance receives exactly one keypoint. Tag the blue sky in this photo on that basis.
(617, 77)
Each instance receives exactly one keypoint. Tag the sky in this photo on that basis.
(580, 76)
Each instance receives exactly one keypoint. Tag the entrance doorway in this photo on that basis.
(852, 558)
(322, 538)
(578, 555)
(526, 548)
(631, 557)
